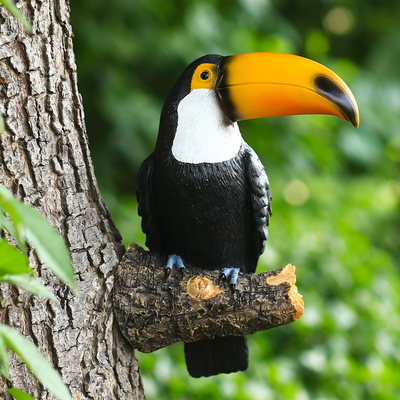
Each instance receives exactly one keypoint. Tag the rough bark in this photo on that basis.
(154, 312)
(44, 159)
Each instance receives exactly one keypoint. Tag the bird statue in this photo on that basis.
(203, 194)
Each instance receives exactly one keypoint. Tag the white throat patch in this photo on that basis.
(204, 134)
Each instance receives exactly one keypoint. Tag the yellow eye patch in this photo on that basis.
(204, 77)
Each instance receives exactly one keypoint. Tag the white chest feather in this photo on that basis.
(204, 134)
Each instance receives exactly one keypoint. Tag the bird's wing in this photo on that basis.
(260, 199)
(145, 205)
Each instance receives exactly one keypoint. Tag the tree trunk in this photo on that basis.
(44, 159)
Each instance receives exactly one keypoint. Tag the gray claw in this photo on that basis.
(172, 260)
(232, 273)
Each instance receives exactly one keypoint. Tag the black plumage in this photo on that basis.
(211, 214)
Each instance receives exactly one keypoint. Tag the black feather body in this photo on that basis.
(213, 215)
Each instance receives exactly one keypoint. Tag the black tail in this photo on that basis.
(221, 355)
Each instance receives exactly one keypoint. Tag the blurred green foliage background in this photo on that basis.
(336, 190)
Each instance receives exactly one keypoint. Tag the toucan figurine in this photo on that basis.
(203, 194)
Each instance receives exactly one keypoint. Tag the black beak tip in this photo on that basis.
(327, 88)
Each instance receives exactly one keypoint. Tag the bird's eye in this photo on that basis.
(205, 75)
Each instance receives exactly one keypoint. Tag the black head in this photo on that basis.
(201, 73)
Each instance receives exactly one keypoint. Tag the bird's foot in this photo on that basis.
(173, 259)
(232, 274)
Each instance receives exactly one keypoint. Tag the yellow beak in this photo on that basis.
(257, 85)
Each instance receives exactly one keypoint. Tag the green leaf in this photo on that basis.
(12, 261)
(1, 125)
(19, 394)
(48, 243)
(35, 362)
(29, 283)
(10, 6)
(4, 363)
(9, 227)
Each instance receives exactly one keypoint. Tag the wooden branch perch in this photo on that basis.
(154, 312)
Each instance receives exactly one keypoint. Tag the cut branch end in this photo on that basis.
(287, 275)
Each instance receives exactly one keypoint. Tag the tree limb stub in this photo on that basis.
(154, 312)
